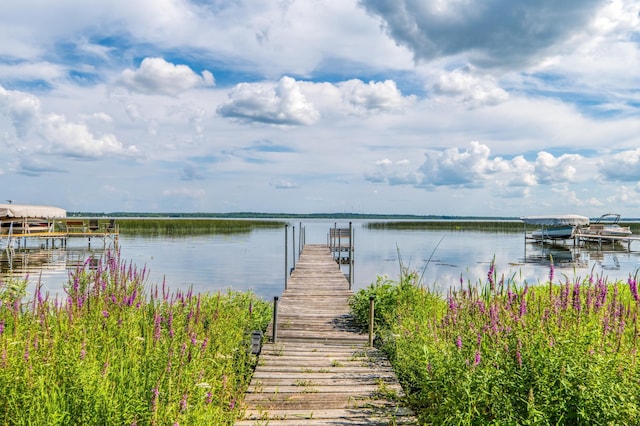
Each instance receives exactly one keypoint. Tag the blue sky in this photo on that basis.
(489, 108)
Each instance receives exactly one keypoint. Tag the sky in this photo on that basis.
(426, 107)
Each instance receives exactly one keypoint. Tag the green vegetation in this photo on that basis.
(111, 353)
(186, 227)
(453, 225)
(560, 353)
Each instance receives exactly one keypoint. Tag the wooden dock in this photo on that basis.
(320, 370)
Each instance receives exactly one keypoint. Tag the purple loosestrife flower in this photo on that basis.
(481, 306)
(459, 342)
(157, 327)
(564, 296)
(1, 327)
(523, 302)
(551, 271)
(154, 400)
(633, 286)
(183, 403)
(209, 398)
(576, 302)
(493, 313)
(105, 314)
(170, 324)
(477, 359)
(490, 275)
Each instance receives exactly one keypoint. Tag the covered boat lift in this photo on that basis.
(554, 227)
(21, 222)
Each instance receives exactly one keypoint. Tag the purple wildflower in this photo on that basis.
(577, 305)
(1, 326)
(459, 342)
(633, 286)
(154, 401)
(183, 403)
(523, 301)
(209, 398)
(156, 327)
(490, 275)
(477, 360)
(105, 314)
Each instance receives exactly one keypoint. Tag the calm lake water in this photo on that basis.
(255, 261)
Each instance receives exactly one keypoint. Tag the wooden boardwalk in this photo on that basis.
(320, 370)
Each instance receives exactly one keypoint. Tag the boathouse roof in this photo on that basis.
(30, 211)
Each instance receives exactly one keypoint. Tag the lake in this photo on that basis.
(255, 261)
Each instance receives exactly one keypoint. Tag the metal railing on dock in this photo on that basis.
(341, 245)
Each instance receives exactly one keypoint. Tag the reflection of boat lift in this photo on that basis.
(561, 255)
(30, 260)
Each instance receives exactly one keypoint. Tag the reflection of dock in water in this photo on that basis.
(581, 256)
(35, 260)
(559, 255)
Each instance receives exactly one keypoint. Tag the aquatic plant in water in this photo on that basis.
(114, 351)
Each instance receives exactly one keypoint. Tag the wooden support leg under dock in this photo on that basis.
(320, 370)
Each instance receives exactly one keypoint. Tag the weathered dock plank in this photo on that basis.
(320, 370)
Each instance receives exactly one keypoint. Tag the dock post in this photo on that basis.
(293, 247)
(286, 254)
(351, 245)
(274, 329)
(371, 316)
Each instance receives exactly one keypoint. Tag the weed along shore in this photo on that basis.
(561, 352)
(115, 351)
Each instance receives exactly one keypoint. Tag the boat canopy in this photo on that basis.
(8, 211)
(556, 220)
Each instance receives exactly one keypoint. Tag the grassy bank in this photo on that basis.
(185, 227)
(115, 352)
(561, 353)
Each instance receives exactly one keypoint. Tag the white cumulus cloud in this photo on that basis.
(155, 76)
(37, 132)
(281, 104)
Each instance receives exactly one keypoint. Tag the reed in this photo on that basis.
(186, 227)
(506, 226)
(115, 351)
(451, 225)
(564, 352)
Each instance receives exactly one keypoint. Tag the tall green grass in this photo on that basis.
(501, 353)
(186, 227)
(452, 225)
(115, 351)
